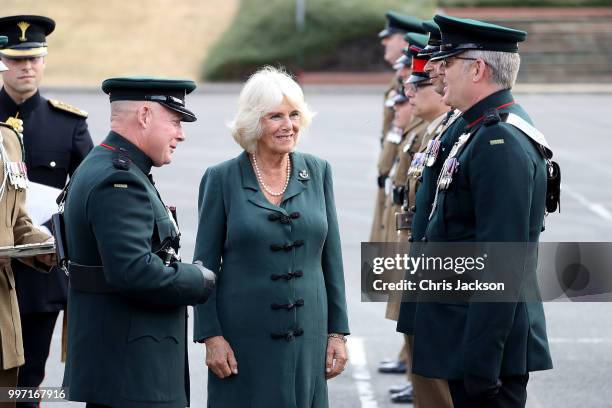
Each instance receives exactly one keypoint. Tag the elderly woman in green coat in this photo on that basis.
(274, 328)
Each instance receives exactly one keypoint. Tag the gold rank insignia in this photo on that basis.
(23, 26)
(15, 123)
(68, 108)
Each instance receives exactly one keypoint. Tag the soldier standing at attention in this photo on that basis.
(428, 106)
(129, 292)
(392, 38)
(492, 188)
(383, 223)
(15, 229)
(56, 140)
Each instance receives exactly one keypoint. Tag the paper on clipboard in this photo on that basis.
(40, 203)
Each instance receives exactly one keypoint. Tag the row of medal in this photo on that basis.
(422, 159)
(451, 165)
(17, 174)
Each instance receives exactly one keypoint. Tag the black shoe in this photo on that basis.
(392, 367)
(400, 387)
(404, 397)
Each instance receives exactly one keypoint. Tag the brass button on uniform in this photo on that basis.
(52, 164)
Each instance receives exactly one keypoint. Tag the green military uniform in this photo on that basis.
(426, 393)
(281, 282)
(128, 296)
(492, 189)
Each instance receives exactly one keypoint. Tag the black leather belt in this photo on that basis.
(89, 279)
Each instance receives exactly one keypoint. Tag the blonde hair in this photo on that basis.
(261, 94)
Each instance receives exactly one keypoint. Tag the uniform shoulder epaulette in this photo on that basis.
(67, 108)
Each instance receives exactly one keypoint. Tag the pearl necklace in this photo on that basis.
(260, 178)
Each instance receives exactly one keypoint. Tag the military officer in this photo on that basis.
(128, 289)
(16, 229)
(449, 133)
(428, 106)
(383, 223)
(56, 140)
(392, 38)
(492, 188)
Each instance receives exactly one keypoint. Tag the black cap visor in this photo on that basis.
(186, 115)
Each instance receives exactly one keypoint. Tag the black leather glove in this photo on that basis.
(381, 181)
(479, 387)
(209, 279)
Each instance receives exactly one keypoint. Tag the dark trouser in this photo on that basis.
(37, 330)
(8, 378)
(512, 394)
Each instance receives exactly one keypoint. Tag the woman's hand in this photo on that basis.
(220, 357)
(336, 356)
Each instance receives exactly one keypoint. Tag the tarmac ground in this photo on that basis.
(346, 133)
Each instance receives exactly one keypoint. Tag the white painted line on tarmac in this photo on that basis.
(360, 372)
(580, 340)
(596, 208)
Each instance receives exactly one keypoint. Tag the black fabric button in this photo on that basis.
(284, 219)
(288, 306)
(295, 215)
(286, 276)
(289, 335)
(273, 217)
(276, 247)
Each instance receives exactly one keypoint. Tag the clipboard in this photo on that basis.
(27, 250)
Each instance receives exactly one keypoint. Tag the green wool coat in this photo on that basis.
(280, 287)
(126, 348)
(497, 195)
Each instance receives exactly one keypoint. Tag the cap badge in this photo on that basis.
(23, 26)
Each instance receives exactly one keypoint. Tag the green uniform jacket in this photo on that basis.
(280, 287)
(126, 348)
(425, 195)
(497, 195)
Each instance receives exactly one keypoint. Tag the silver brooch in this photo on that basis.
(303, 174)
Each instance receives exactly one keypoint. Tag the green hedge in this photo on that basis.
(525, 3)
(338, 34)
